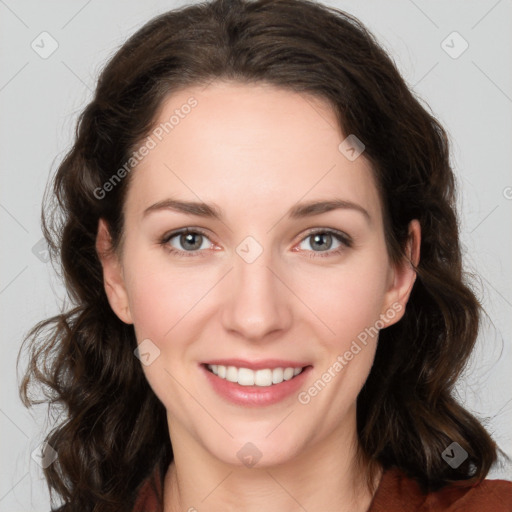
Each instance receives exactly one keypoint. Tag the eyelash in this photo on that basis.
(341, 237)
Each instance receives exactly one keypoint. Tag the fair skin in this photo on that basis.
(256, 151)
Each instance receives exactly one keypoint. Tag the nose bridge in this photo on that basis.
(257, 303)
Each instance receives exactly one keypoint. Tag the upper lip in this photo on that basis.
(257, 365)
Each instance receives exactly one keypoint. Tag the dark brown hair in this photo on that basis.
(115, 431)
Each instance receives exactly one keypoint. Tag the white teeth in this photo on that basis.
(247, 377)
(288, 373)
(263, 377)
(277, 375)
(232, 374)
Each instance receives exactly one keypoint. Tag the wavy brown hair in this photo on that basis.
(114, 432)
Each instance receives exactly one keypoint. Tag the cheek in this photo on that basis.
(159, 301)
(165, 303)
(151, 300)
(166, 299)
(348, 298)
(348, 301)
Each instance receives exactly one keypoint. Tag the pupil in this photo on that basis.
(320, 236)
(190, 236)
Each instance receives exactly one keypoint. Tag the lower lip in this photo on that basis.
(258, 396)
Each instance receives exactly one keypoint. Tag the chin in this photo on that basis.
(257, 451)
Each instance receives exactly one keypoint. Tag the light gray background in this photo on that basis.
(41, 98)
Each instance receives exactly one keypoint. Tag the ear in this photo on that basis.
(402, 278)
(113, 278)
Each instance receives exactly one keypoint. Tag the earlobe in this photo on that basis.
(113, 278)
(404, 274)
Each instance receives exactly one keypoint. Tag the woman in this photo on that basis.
(302, 352)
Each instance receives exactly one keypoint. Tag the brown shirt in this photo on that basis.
(395, 493)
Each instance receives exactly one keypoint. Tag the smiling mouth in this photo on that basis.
(265, 377)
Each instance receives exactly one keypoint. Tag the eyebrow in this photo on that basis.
(298, 211)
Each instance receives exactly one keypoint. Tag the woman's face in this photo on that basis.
(269, 282)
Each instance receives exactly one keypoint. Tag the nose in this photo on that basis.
(258, 304)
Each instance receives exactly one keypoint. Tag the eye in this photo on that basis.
(187, 242)
(193, 242)
(323, 240)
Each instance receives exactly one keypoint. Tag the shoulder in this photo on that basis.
(148, 497)
(400, 493)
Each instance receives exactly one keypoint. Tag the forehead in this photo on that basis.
(248, 144)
